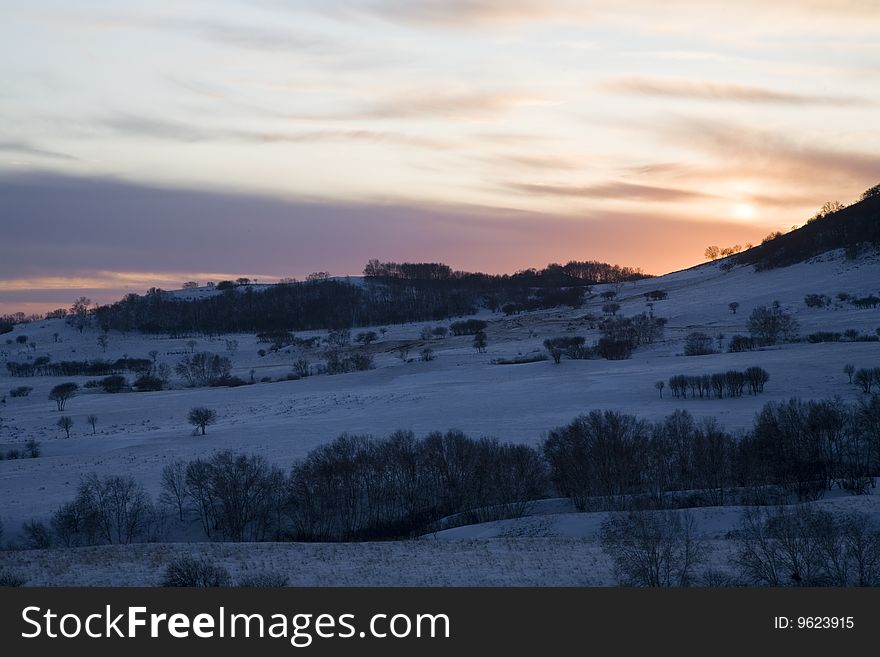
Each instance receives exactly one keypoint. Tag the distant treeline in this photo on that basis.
(392, 293)
(43, 366)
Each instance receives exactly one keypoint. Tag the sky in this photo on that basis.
(151, 143)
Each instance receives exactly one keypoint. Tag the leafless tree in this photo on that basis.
(65, 423)
(200, 417)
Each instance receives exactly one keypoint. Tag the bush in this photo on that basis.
(148, 383)
(467, 327)
(611, 349)
(114, 384)
(520, 360)
(653, 549)
(37, 536)
(698, 344)
(426, 354)
(200, 573)
(770, 325)
(203, 369)
(823, 336)
(808, 547)
(740, 343)
(33, 449)
(572, 347)
(20, 391)
(817, 300)
(866, 378)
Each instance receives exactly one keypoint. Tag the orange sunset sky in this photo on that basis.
(149, 143)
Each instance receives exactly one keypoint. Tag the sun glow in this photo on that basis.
(744, 212)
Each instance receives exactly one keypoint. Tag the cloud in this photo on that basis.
(140, 126)
(80, 229)
(772, 153)
(614, 190)
(24, 148)
(703, 90)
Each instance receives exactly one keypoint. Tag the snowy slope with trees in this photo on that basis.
(414, 377)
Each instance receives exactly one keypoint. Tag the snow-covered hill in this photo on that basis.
(138, 433)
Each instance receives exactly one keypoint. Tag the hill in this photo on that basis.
(852, 229)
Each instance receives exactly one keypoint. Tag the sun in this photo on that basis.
(744, 211)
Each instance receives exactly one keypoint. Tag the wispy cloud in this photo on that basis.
(613, 190)
(141, 126)
(715, 91)
(772, 153)
(25, 148)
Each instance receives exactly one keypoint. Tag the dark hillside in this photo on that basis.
(852, 228)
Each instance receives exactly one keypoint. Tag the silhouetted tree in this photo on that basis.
(65, 423)
(480, 342)
(61, 393)
(200, 417)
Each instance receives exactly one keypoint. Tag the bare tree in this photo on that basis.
(849, 370)
(93, 421)
(79, 313)
(712, 253)
(174, 492)
(655, 549)
(65, 423)
(103, 341)
(480, 342)
(733, 306)
(62, 392)
(200, 417)
(660, 385)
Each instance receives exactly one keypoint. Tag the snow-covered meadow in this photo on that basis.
(137, 433)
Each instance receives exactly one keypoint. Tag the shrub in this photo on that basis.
(37, 536)
(114, 384)
(301, 368)
(33, 449)
(200, 573)
(520, 360)
(611, 349)
(866, 379)
(740, 343)
(20, 391)
(653, 549)
(823, 336)
(467, 327)
(203, 369)
(568, 346)
(769, 325)
(426, 354)
(817, 300)
(148, 383)
(698, 344)
(656, 295)
(361, 361)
